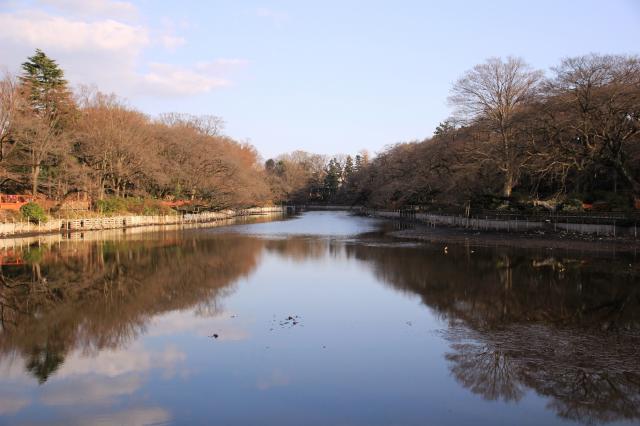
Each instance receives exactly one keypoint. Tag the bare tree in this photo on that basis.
(9, 108)
(9, 96)
(113, 141)
(494, 91)
(209, 125)
(597, 104)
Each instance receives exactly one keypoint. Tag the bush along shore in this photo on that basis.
(31, 227)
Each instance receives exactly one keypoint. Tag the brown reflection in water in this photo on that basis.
(101, 295)
(564, 326)
(589, 377)
(300, 248)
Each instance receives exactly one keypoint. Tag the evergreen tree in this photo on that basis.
(270, 165)
(444, 128)
(50, 108)
(332, 178)
(44, 83)
(348, 169)
(358, 165)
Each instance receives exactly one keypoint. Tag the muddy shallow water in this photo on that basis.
(319, 319)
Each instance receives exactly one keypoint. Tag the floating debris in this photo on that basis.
(290, 321)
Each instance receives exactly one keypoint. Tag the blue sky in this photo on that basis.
(328, 77)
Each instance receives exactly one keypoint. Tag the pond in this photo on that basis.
(318, 319)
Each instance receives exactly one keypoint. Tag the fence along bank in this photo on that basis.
(614, 225)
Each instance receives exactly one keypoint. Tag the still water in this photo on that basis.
(321, 319)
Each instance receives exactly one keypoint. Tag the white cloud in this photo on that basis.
(94, 8)
(38, 29)
(176, 322)
(90, 390)
(175, 80)
(135, 416)
(166, 34)
(104, 53)
(108, 53)
(117, 362)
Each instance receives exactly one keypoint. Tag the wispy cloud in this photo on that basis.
(175, 80)
(90, 390)
(133, 416)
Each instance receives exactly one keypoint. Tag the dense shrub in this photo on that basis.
(110, 205)
(33, 212)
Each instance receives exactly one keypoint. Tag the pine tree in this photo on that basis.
(358, 164)
(332, 178)
(44, 83)
(348, 169)
(50, 107)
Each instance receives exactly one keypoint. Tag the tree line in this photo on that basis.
(301, 177)
(55, 142)
(518, 137)
(568, 138)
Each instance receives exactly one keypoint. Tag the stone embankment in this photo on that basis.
(114, 222)
(553, 224)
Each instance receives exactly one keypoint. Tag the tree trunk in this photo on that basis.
(509, 183)
(509, 180)
(35, 173)
(101, 188)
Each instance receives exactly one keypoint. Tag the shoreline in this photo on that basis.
(442, 229)
(129, 233)
(526, 240)
(79, 225)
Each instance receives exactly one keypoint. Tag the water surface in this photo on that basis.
(320, 319)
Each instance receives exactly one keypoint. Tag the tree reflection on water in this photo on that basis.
(566, 327)
(101, 295)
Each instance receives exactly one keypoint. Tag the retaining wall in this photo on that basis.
(87, 224)
(486, 224)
